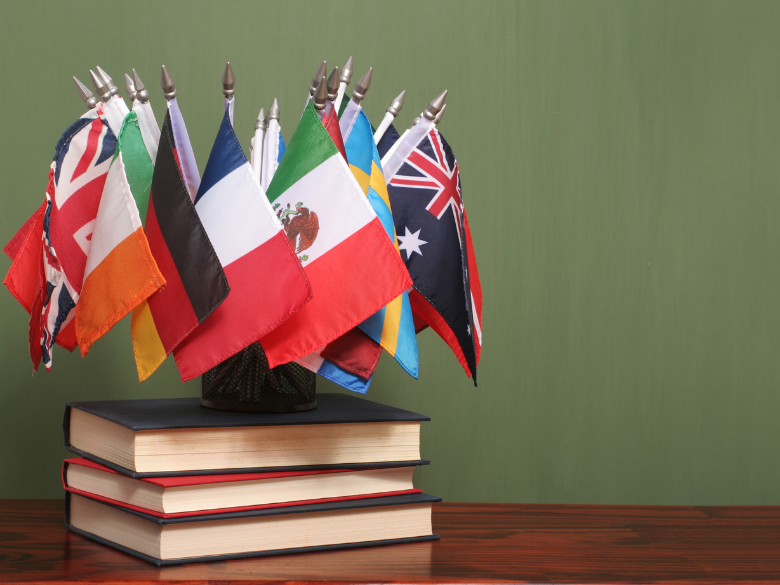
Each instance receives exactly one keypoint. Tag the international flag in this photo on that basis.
(423, 183)
(387, 141)
(26, 253)
(267, 282)
(196, 282)
(348, 117)
(392, 326)
(351, 263)
(273, 150)
(78, 173)
(120, 271)
(349, 361)
(331, 123)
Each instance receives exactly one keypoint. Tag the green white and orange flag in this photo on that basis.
(120, 271)
(350, 261)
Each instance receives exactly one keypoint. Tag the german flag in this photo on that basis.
(196, 283)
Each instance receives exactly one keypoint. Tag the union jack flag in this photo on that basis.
(435, 243)
(78, 173)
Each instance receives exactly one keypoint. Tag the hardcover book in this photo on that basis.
(176, 436)
(172, 497)
(274, 531)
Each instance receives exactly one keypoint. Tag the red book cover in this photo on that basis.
(177, 481)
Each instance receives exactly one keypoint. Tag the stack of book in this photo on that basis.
(171, 482)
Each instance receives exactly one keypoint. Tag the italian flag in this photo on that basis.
(351, 263)
(120, 272)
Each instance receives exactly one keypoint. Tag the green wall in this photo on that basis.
(620, 168)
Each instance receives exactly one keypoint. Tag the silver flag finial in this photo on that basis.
(321, 71)
(346, 71)
(437, 119)
(362, 86)
(142, 95)
(273, 111)
(260, 124)
(435, 106)
(228, 81)
(167, 84)
(130, 87)
(397, 104)
(86, 95)
(110, 82)
(333, 84)
(100, 86)
(320, 94)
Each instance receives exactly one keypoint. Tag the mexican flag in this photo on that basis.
(350, 261)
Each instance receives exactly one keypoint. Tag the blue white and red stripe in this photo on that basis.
(267, 282)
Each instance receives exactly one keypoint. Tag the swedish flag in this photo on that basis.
(392, 326)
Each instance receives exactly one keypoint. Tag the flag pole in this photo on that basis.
(315, 80)
(320, 97)
(86, 96)
(131, 91)
(333, 84)
(434, 107)
(114, 91)
(346, 75)
(362, 87)
(256, 158)
(229, 89)
(270, 145)
(147, 123)
(390, 114)
(112, 113)
(352, 109)
(437, 119)
(167, 84)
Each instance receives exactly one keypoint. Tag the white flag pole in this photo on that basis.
(346, 75)
(390, 114)
(398, 153)
(270, 146)
(256, 158)
(147, 123)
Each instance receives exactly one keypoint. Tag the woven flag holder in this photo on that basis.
(244, 382)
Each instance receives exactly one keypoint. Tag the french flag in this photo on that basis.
(267, 282)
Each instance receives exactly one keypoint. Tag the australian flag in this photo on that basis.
(423, 183)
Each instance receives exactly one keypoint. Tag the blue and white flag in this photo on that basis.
(267, 282)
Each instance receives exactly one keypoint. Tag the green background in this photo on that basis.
(620, 170)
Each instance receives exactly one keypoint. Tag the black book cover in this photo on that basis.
(323, 507)
(186, 413)
(183, 413)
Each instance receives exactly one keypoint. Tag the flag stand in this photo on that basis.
(244, 382)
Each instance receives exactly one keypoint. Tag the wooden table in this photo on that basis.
(480, 543)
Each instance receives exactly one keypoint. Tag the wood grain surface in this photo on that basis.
(480, 543)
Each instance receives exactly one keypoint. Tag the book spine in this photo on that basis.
(66, 426)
